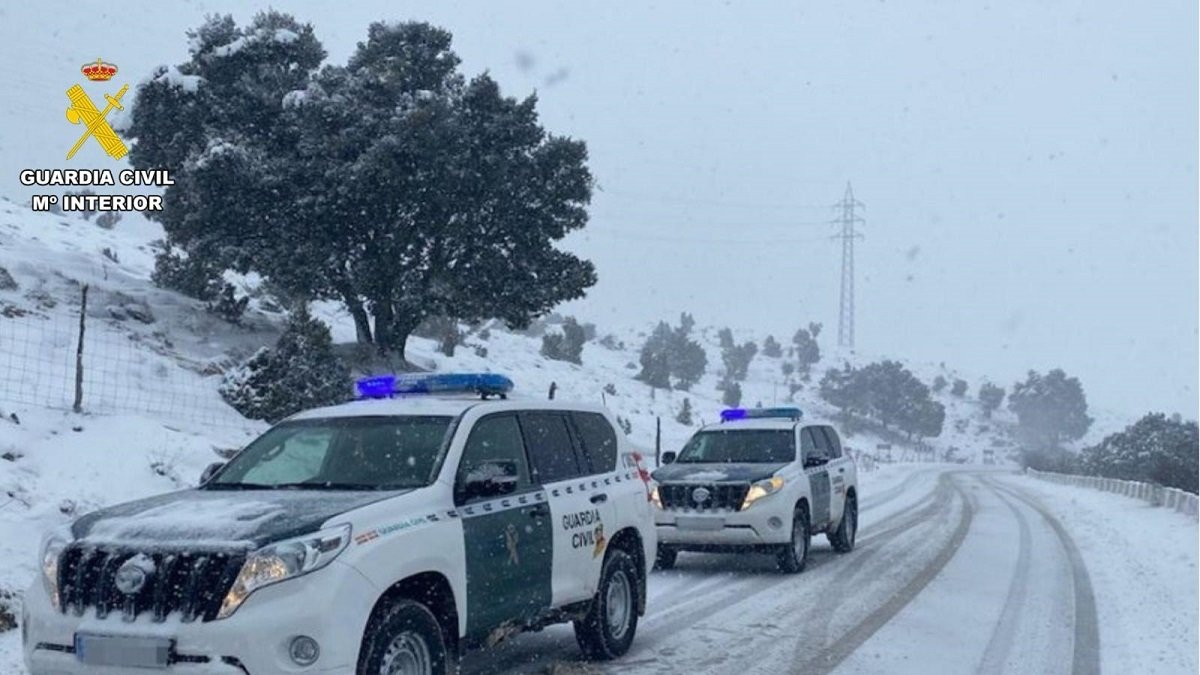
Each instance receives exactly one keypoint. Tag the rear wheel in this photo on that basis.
(842, 539)
(608, 629)
(403, 638)
(665, 558)
(793, 556)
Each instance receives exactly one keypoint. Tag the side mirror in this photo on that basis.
(815, 460)
(668, 457)
(210, 471)
(490, 479)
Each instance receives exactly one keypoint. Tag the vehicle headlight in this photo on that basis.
(284, 560)
(763, 488)
(52, 549)
(654, 498)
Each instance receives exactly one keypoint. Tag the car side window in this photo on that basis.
(598, 439)
(812, 444)
(834, 443)
(495, 444)
(551, 450)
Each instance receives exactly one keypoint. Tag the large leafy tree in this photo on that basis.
(1050, 408)
(886, 392)
(392, 184)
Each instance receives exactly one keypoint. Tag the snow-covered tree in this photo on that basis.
(736, 357)
(566, 345)
(684, 416)
(771, 347)
(1154, 449)
(990, 397)
(959, 388)
(299, 372)
(808, 352)
(1050, 409)
(731, 395)
(672, 353)
(392, 184)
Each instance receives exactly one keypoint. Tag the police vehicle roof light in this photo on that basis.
(789, 413)
(385, 386)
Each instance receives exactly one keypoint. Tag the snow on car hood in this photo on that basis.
(715, 472)
(192, 519)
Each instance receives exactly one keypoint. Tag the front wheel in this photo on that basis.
(607, 630)
(403, 638)
(793, 556)
(842, 539)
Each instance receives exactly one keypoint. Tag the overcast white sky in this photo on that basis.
(1029, 167)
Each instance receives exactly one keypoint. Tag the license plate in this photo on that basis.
(691, 523)
(123, 650)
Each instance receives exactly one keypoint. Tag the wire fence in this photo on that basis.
(1157, 495)
(125, 366)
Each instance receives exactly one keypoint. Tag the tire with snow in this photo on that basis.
(793, 556)
(403, 638)
(842, 539)
(664, 559)
(608, 629)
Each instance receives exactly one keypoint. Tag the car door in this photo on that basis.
(816, 460)
(559, 469)
(508, 537)
(839, 468)
(596, 441)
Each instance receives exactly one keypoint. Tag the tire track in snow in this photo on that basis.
(935, 504)
(827, 659)
(871, 542)
(995, 656)
(890, 494)
(1086, 646)
(682, 605)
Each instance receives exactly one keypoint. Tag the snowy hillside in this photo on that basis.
(152, 417)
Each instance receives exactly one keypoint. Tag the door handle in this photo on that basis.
(842, 469)
(599, 498)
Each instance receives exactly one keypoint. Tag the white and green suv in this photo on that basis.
(382, 536)
(761, 480)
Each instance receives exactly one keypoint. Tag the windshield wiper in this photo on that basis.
(330, 485)
(237, 486)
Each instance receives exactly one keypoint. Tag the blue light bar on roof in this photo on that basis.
(376, 387)
(789, 413)
(385, 386)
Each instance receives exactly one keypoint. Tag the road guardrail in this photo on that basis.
(1156, 495)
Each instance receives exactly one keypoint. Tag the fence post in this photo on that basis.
(78, 406)
(657, 440)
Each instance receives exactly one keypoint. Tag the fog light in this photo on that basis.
(775, 522)
(304, 650)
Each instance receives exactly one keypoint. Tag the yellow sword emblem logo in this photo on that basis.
(83, 111)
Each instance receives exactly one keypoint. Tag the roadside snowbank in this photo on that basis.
(1142, 562)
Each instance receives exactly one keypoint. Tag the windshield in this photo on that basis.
(347, 453)
(766, 446)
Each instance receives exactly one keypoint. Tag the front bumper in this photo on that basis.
(331, 606)
(762, 524)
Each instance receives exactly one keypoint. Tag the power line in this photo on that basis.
(672, 199)
(847, 220)
(643, 236)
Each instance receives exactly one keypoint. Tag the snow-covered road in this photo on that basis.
(956, 571)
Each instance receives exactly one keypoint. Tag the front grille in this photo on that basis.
(190, 583)
(721, 496)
